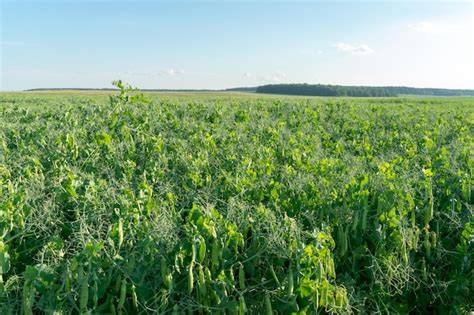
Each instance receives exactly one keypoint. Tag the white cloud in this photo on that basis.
(171, 72)
(354, 49)
(161, 73)
(248, 75)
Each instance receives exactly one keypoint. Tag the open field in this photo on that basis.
(235, 203)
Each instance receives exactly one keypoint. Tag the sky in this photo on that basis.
(224, 44)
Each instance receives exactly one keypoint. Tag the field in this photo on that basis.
(235, 203)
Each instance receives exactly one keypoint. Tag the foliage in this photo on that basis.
(357, 91)
(235, 205)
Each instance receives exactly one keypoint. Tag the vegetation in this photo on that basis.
(357, 91)
(235, 204)
(311, 90)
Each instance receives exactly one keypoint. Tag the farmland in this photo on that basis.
(235, 203)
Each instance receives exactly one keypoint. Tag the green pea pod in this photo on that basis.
(134, 297)
(355, 221)
(123, 294)
(163, 269)
(190, 278)
(201, 281)
(202, 250)
(120, 232)
(84, 294)
(27, 300)
(433, 239)
(113, 311)
(290, 281)
(193, 252)
(215, 253)
(427, 244)
(169, 281)
(320, 271)
(118, 283)
(241, 277)
(95, 297)
(4, 259)
(316, 299)
(268, 304)
(331, 268)
(423, 270)
(242, 305)
(67, 281)
(324, 301)
(416, 238)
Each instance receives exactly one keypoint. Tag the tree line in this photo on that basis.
(357, 91)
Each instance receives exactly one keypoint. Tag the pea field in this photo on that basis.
(235, 203)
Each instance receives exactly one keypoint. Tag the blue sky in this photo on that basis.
(191, 44)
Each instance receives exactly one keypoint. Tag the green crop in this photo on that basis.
(233, 204)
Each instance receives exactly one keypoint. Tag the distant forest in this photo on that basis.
(310, 90)
(357, 91)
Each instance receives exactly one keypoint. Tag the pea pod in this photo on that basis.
(95, 297)
(433, 239)
(164, 270)
(423, 270)
(355, 221)
(325, 294)
(215, 253)
(416, 237)
(118, 283)
(169, 281)
(316, 299)
(190, 278)
(4, 259)
(123, 294)
(241, 277)
(429, 209)
(193, 252)
(331, 270)
(290, 281)
(120, 232)
(84, 294)
(201, 282)
(113, 311)
(202, 250)
(268, 304)
(134, 297)
(341, 298)
(427, 244)
(242, 305)
(67, 281)
(28, 298)
(320, 271)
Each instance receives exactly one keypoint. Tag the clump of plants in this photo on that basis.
(155, 204)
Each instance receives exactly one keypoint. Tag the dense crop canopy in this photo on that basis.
(235, 204)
